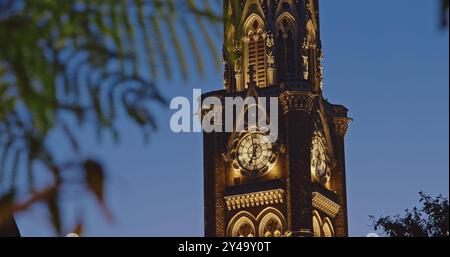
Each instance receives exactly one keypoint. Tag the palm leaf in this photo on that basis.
(86, 60)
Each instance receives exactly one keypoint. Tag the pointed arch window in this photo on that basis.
(317, 224)
(285, 49)
(328, 230)
(256, 36)
(242, 225)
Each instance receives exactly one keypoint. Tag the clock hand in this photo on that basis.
(254, 152)
(253, 155)
(254, 145)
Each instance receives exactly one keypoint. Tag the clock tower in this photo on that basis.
(294, 186)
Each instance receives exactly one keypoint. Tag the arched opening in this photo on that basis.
(328, 230)
(242, 225)
(285, 49)
(271, 223)
(255, 38)
(317, 224)
(243, 228)
(270, 226)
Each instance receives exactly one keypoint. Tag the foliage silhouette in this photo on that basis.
(430, 220)
(74, 63)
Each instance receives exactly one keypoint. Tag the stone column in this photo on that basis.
(338, 182)
(214, 183)
(244, 64)
(296, 107)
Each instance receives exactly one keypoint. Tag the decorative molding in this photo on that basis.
(305, 67)
(325, 205)
(340, 111)
(305, 58)
(262, 198)
(341, 125)
(304, 232)
(320, 74)
(297, 101)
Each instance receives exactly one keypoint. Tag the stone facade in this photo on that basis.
(304, 191)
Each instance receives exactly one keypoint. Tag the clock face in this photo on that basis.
(320, 167)
(254, 155)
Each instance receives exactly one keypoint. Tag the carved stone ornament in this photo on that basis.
(297, 101)
(341, 125)
(305, 59)
(305, 67)
(320, 75)
(325, 205)
(270, 43)
(250, 200)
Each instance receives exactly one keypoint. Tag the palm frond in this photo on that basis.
(86, 60)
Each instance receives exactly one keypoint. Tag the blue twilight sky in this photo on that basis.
(387, 61)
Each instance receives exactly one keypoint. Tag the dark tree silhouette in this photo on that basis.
(74, 63)
(445, 4)
(429, 220)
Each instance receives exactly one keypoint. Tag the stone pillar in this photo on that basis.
(296, 107)
(238, 78)
(338, 182)
(214, 183)
(244, 64)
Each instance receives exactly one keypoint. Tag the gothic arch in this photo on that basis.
(286, 37)
(242, 225)
(327, 228)
(292, 23)
(249, 25)
(252, 7)
(317, 224)
(254, 50)
(271, 222)
(286, 5)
